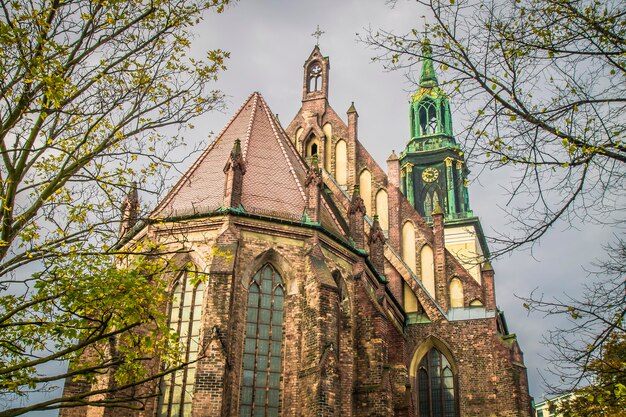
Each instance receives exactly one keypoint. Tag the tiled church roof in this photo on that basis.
(273, 184)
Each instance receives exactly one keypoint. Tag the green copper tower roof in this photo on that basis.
(433, 170)
(428, 78)
(431, 122)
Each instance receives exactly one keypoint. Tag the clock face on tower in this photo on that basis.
(430, 174)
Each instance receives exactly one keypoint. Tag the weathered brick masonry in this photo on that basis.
(314, 307)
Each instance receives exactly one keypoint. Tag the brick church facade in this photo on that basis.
(333, 286)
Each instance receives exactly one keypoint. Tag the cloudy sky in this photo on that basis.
(269, 40)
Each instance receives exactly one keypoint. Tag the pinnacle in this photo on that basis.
(236, 148)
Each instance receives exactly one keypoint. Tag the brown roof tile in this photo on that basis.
(275, 172)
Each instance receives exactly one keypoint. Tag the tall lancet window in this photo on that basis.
(314, 77)
(435, 386)
(185, 318)
(428, 118)
(260, 383)
(431, 199)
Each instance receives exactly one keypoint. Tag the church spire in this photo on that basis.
(433, 168)
(428, 78)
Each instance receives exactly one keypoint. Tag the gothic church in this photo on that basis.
(333, 287)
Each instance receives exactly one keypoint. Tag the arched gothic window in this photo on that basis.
(435, 386)
(341, 162)
(428, 118)
(260, 385)
(431, 199)
(312, 146)
(185, 318)
(314, 77)
(408, 245)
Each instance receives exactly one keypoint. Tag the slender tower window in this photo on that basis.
(428, 118)
(435, 384)
(315, 78)
(185, 316)
(444, 117)
(260, 386)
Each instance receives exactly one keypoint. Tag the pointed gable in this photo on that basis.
(201, 188)
(275, 174)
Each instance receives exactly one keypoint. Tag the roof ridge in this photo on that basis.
(299, 157)
(232, 119)
(187, 174)
(256, 95)
(282, 147)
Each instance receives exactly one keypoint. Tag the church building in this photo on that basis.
(331, 286)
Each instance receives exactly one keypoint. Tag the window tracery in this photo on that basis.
(177, 388)
(436, 396)
(428, 118)
(314, 77)
(260, 385)
(431, 199)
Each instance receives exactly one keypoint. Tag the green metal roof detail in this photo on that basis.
(428, 78)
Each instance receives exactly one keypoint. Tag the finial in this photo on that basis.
(317, 35)
(236, 151)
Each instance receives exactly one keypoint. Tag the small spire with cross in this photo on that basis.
(317, 35)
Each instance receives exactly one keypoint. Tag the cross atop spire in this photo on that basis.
(317, 34)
